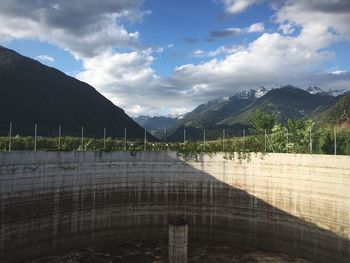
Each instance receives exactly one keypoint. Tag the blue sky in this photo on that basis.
(164, 57)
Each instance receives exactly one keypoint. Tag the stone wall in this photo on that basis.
(57, 201)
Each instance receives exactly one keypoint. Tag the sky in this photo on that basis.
(165, 57)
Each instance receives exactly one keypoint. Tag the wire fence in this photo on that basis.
(318, 141)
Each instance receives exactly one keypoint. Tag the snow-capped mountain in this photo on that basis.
(315, 90)
(330, 92)
(336, 93)
(259, 92)
(252, 93)
(245, 94)
(233, 114)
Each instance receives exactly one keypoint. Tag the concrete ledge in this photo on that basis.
(57, 201)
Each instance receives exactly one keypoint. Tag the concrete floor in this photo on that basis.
(157, 253)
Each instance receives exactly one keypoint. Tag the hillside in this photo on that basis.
(208, 115)
(232, 114)
(34, 93)
(338, 114)
(289, 102)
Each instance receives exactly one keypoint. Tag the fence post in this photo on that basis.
(204, 139)
(287, 141)
(223, 140)
(335, 141)
(310, 141)
(124, 139)
(35, 135)
(104, 138)
(10, 137)
(244, 139)
(145, 141)
(265, 142)
(59, 137)
(184, 135)
(82, 138)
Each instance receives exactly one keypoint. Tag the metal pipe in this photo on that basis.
(124, 139)
(59, 137)
(223, 140)
(10, 137)
(82, 138)
(104, 138)
(35, 135)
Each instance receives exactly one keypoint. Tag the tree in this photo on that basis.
(299, 135)
(278, 138)
(263, 120)
(327, 141)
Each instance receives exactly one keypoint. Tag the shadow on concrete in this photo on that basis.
(79, 200)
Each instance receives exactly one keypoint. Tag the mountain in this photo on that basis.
(261, 92)
(338, 114)
(33, 93)
(288, 101)
(156, 125)
(336, 93)
(330, 92)
(316, 90)
(208, 116)
(232, 114)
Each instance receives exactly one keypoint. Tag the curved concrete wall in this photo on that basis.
(56, 201)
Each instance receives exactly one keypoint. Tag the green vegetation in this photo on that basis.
(266, 135)
(292, 138)
(235, 113)
(262, 121)
(340, 112)
(69, 143)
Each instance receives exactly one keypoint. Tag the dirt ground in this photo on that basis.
(157, 253)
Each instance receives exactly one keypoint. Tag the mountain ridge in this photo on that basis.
(288, 101)
(38, 94)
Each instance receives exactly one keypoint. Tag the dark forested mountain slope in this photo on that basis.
(31, 92)
(338, 114)
(288, 102)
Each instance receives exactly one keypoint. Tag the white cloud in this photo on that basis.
(220, 50)
(45, 58)
(128, 79)
(330, 19)
(119, 72)
(272, 58)
(178, 112)
(339, 72)
(137, 110)
(237, 6)
(91, 32)
(85, 30)
(234, 31)
(199, 53)
(257, 27)
(287, 29)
